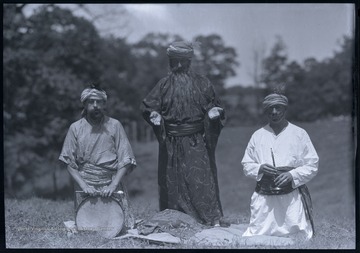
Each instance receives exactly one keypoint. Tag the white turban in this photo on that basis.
(180, 49)
(92, 92)
(274, 99)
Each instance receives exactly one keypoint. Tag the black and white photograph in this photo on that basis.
(180, 125)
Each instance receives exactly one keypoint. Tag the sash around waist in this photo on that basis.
(266, 185)
(96, 175)
(183, 129)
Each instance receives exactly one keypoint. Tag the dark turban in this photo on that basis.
(274, 99)
(180, 49)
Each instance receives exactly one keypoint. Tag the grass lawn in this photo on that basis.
(38, 223)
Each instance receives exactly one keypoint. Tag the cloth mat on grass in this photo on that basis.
(173, 222)
(174, 227)
(171, 226)
(219, 236)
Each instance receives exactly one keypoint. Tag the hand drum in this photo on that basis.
(101, 214)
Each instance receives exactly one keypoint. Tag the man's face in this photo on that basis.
(95, 107)
(276, 113)
(179, 64)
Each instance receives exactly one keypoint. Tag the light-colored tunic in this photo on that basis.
(105, 146)
(280, 215)
(97, 152)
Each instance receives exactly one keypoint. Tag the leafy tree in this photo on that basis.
(302, 90)
(118, 69)
(151, 60)
(322, 89)
(274, 65)
(215, 60)
(315, 89)
(14, 24)
(67, 47)
(46, 64)
(341, 77)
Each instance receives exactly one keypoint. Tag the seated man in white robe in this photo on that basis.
(282, 159)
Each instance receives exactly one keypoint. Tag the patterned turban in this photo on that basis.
(92, 92)
(180, 49)
(274, 99)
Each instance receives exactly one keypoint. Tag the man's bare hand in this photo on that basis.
(267, 169)
(214, 112)
(283, 179)
(108, 190)
(90, 190)
(155, 118)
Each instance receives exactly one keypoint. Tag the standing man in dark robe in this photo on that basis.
(187, 118)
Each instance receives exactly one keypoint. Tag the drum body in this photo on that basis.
(104, 215)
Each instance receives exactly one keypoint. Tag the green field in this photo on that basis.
(38, 223)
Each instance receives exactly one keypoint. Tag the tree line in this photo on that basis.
(315, 89)
(52, 55)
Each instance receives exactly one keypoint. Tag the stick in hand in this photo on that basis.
(273, 159)
(272, 156)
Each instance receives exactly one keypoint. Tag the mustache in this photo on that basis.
(96, 111)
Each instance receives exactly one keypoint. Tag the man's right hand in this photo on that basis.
(267, 169)
(155, 118)
(90, 190)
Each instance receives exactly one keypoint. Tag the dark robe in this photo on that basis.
(187, 173)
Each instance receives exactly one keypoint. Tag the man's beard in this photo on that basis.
(184, 96)
(95, 114)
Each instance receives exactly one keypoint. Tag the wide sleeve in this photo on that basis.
(212, 127)
(249, 162)
(68, 152)
(213, 100)
(309, 161)
(152, 102)
(123, 148)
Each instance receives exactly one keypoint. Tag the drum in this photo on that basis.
(104, 215)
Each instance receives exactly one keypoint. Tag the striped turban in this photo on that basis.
(274, 99)
(92, 92)
(180, 49)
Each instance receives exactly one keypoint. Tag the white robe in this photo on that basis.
(280, 215)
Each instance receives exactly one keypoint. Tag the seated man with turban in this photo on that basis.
(96, 151)
(187, 118)
(282, 159)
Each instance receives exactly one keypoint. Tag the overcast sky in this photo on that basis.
(308, 30)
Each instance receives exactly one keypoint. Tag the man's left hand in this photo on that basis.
(214, 112)
(283, 179)
(107, 190)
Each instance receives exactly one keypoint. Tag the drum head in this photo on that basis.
(103, 215)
